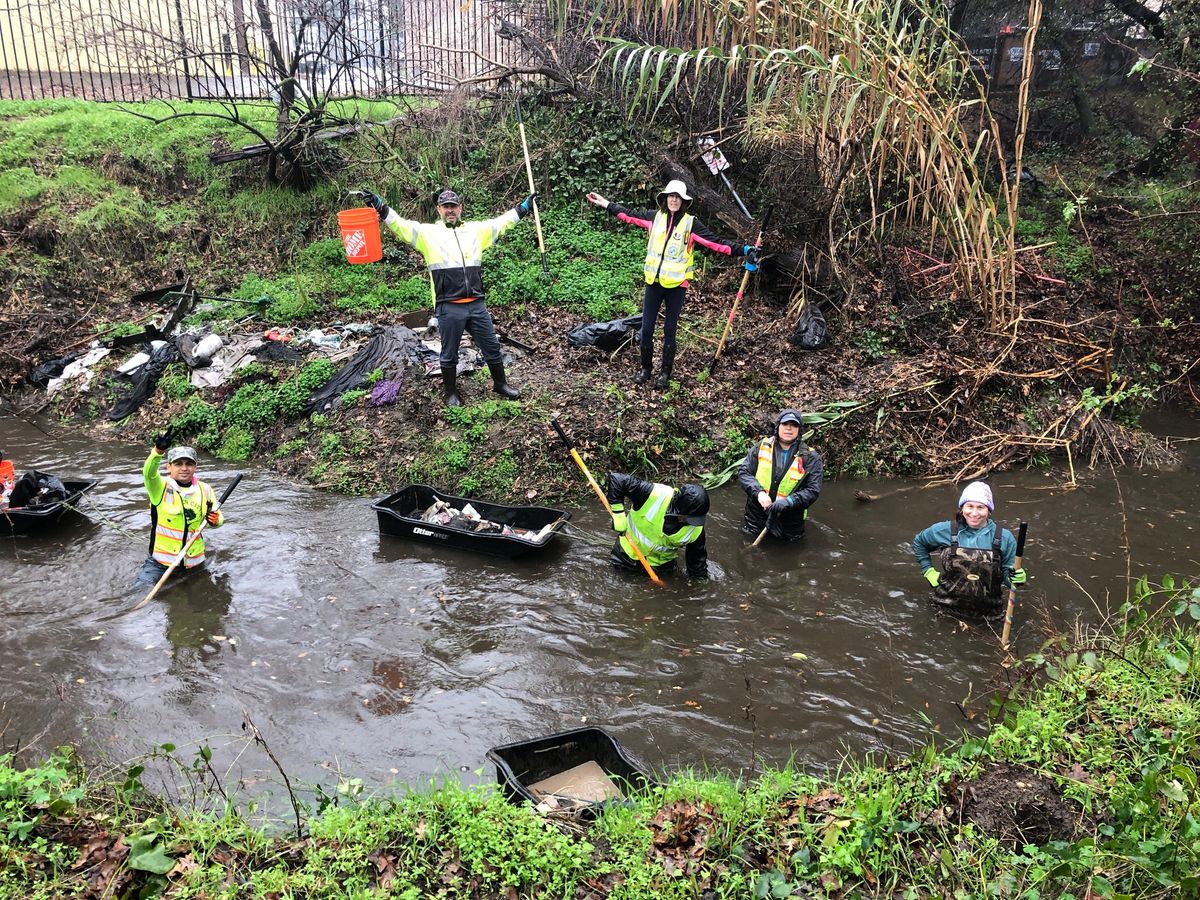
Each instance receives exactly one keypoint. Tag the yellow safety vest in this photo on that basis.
(791, 478)
(171, 526)
(669, 259)
(646, 528)
(454, 255)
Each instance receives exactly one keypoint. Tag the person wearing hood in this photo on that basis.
(178, 503)
(453, 251)
(976, 556)
(782, 478)
(661, 521)
(674, 233)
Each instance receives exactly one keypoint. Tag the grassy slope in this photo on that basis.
(1084, 786)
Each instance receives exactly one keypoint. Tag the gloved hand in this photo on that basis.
(1019, 576)
(751, 254)
(780, 504)
(525, 207)
(620, 522)
(932, 576)
(162, 443)
(374, 201)
(214, 518)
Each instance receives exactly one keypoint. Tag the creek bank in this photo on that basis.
(1084, 785)
(912, 384)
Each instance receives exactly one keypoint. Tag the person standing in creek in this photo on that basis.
(669, 266)
(782, 478)
(976, 555)
(453, 252)
(661, 521)
(178, 503)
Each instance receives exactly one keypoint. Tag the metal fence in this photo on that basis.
(244, 49)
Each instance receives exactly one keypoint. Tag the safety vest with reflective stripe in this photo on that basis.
(669, 258)
(454, 255)
(646, 529)
(177, 515)
(766, 467)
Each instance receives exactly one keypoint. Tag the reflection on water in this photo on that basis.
(390, 660)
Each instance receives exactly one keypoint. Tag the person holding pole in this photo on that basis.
(977, 557)
(178, 504)
(669, 265)
(659, 523)
(782, 478)
(453, 251)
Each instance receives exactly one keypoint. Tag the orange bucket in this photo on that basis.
(360, 235)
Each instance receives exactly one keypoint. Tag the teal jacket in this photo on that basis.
(937, 536)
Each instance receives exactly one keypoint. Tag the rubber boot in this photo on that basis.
(450, 386)
(647, 366)
(668, 363)
(500, 382)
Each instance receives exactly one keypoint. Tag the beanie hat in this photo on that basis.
(977, 492)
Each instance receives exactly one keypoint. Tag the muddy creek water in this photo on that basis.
(399, 662)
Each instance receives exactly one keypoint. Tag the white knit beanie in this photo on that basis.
(977, 492)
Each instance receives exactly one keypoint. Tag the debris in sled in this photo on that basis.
(468, 519)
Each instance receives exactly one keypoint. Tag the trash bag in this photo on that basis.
(144, 381)
(810, 332)
(198, 350)
(51, 368)
(277, 351)
(36, 488)
(388, 350)
(606, 336)
(386, 392)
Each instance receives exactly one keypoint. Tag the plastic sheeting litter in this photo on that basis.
(80, 368)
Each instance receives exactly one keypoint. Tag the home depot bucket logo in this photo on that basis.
(355, 243)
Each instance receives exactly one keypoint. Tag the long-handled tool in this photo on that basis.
(537, 219)
(762, 534)
(1012, 588)
(741, 291)
(182, 555)
(603, 499)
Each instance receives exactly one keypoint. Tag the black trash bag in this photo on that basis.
(36, 488)
(51, 368)
(277, 351)
(810, 332)
(606, 336)
(144, 380)
(388, 350)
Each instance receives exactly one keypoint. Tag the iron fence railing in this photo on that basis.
(242, 49)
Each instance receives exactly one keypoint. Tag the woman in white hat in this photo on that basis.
(669, 266)
(976, 555)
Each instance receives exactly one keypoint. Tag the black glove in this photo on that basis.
(162, 443)
(780, 504)
(525, 207)
(374, 201)
(751, 254)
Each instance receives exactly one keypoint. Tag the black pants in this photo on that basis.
(656, 296)
(474, 318)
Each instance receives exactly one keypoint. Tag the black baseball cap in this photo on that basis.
(449, 198)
